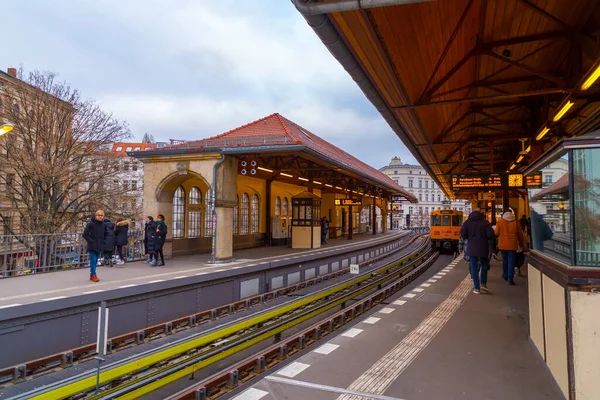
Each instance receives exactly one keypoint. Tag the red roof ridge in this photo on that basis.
(241, 127)
(282, 120)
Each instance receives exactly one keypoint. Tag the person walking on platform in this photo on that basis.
(510, 239)
(108, 248)
(324, 229)
(94, 234)
(149, 231)
(161, 237)
(478, 233)
(121, 231)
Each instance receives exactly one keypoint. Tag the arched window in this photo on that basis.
(245, 209)
(236, 216)
(194, 213)
(255, 216)
(179, 212)
(439, 197)
(277, 205)
(284, 209)
(208, 214)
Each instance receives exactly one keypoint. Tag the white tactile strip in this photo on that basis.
(386, 370)
(293, 369)
(327, 348)
(251, 394)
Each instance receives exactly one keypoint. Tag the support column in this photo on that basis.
(494, 212)
(225, 189)
(224, 246)
(268, 214)
(350, 222)
(374, 217)
(384, 222)
(505, 200)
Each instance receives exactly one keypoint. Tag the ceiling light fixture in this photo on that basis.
(592, 78)
(337, 187)
(317, 182)
(520, 159)
(284, 174)
(512, 167)
(542, 133)
(563, 111)
(303, 179)
(264, 169)
(328, 185)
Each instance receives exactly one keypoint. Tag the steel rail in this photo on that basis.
(231, 378)
(69, 358)
(157, 379)
(84, 383)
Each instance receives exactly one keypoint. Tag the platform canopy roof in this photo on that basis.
(469, 84)
(275, 148)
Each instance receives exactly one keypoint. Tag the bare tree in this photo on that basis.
(148, 138)
(56, 167)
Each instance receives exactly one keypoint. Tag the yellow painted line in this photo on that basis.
(117, 372)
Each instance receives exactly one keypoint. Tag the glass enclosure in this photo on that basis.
(565, 213)
(306, 212)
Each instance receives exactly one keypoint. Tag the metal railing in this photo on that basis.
(38, 253)
(419, 230)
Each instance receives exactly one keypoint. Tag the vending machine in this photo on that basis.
(279, 230)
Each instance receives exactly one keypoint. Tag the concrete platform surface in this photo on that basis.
(58, 285)
(436, 340)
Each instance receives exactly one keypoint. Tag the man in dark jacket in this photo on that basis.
(94, 234)
(478, 232)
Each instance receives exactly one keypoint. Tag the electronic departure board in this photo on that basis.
(348, 202)
(476, 181)
(534, 181)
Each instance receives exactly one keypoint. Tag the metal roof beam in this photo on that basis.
(308, 8)
(515, 63)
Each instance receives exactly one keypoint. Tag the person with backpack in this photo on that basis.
(510, 240)
(477, 232)
(121, 231)
(108, 248)
(161, 237)
(94, 234)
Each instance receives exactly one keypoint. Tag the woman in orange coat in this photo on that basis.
(510, 239)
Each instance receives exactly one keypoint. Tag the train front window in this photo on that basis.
(436, 220)
(457, 220)
(446, 220)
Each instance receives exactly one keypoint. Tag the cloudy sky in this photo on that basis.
(188, 69)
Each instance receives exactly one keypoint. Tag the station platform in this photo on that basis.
(18, 291)
(436, 340)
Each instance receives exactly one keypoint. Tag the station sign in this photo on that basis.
(534, 181)
(476, 181)
(348, 202)
(486, 196)
(354, 269)
(397, 199)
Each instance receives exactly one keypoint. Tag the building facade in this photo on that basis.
(414, 179)
(129, 182)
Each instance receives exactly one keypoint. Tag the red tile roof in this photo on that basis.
(557, 187)
(122, 152)
(275, 130)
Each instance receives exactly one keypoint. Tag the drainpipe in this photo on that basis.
(213, 210)
(347, 5)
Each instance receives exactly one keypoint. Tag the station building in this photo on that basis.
(268, 182)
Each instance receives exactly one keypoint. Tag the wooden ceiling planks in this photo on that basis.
(408, 52)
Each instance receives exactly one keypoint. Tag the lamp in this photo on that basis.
(5, 128)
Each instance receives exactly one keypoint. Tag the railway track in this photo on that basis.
(146, 372)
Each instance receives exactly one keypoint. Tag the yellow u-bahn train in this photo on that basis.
(445, 229)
